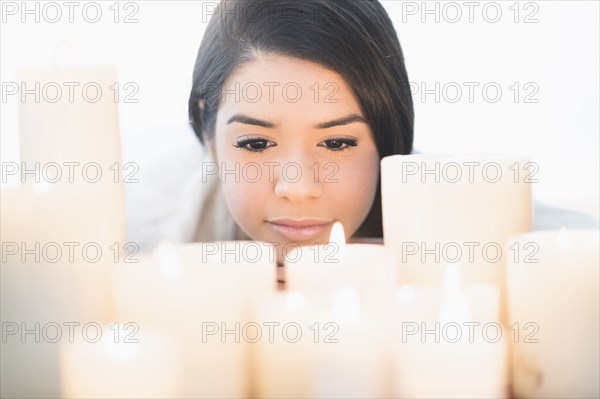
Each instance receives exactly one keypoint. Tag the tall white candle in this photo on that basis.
(70, 142)
(69, 114)
(321, 346)
(65, 225)
(440, 209)
(449, 342)
(201, 293)
(356, 283)
(369, 268)
(554, 314)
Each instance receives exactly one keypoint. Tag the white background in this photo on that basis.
(558, 55)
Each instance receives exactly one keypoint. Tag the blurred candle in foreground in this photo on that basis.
(320, 346)
(349, 288)
(63, 223)
(449, 341)
(202, 294)
(440, 209)
(369, 268)
(126, 362)
(281, 360)
(554, 314)
(70, 141)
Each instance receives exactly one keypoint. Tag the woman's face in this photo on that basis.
(294, 152)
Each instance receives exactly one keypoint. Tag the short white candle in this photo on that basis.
(370, 268)
(554, 314)
(48, 281)
(447, 343)
(322, 346)
(124, 363)
(202, 293)
(356, 283)
(42, 304)
(281, 358)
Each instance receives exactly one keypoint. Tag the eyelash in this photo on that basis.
(242, 144)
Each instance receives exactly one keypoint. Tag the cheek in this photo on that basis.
(357, 182)
(245, 200)
(356, 187)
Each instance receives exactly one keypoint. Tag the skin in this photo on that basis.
(333, 185)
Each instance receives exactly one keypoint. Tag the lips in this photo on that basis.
(300, 229)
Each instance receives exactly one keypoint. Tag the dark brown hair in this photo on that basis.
(354, 38)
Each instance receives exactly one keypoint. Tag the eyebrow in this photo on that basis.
(247, 120)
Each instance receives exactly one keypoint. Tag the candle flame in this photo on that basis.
(169, 261)
(455, 306)
(452, 279)
(337, 234)
(338, 239)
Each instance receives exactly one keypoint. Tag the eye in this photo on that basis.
(337, 145)
(254, 144)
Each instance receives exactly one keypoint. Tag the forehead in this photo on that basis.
(288, 90)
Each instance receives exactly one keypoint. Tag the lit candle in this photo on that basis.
(369, 268)
(124, 363)
(281, 358)
(202, 293)
(554, 314)
(440, 209)
(449, 341)
(319, 345)
(355, 284)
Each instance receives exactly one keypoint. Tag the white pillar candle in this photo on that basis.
(126, 362)
(69, 114)
(449, 342)
(440, 209)
(53, 272)
(359, 364)
(369, 268)
(356, 283)
(201, 293)
(70, 143)
(42, 303)
(63, 227)
(554, 314)
(281, 358)
(320, 346)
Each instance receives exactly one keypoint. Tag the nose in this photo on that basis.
(299, 182)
